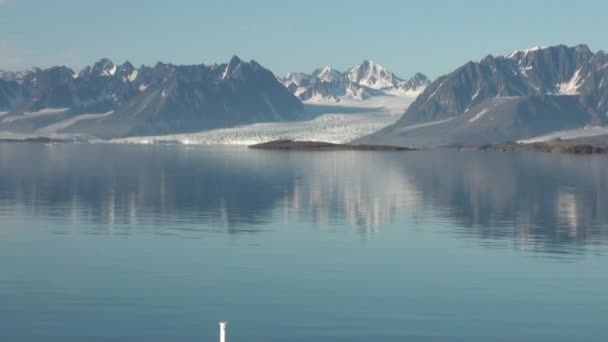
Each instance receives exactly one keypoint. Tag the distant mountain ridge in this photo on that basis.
(125, 100)
(527, 93)
(362, 82)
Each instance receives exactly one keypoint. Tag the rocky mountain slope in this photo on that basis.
(108, 100)
(525, 94)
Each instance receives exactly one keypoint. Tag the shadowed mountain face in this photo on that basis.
(361, 82)
(525, 94)
(544, 203)
(108, 100)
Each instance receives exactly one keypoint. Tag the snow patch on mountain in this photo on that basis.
(525, 51)
(111, 71)
(29, 115)
(53, 129)
(133, 75)
(422, 125)
(571, 87)
(479, 115)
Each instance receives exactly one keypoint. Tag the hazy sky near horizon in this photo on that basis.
(432, 37)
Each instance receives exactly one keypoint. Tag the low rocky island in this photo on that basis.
(324, 146)
(42, 140)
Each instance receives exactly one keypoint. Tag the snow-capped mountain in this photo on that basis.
(416, 83)
(528, 93)
(326, 74)
(374, 76)
(361, 82)
(110, 100)
(296, 78)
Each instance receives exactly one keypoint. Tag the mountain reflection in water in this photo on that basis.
(537, 202)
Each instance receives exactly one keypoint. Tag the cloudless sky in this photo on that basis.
(432, 37)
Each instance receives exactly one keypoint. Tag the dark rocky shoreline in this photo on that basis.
(582, 147)
(557, 146)
(41, 140)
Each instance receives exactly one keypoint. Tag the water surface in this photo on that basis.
(159, 243)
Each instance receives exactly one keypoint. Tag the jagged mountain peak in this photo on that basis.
(533, 52)
(127, 72)
(583, 48)
(417, 83)
(369, 64)
(254, 63)
(373, 75)
(161, 66)
(232, 68)
(295, 78)
(524, 52)
(104, 61)
(127, 66)
(104, 67)
(235, 59)
(326, 74)
(419, 75)
(363, 81)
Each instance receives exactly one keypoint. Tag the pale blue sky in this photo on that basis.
(432, 37)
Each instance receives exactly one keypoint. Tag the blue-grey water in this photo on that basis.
(159, 243)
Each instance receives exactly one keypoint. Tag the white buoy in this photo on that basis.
(223, 325)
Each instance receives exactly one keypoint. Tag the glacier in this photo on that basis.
(335, 122)
(324, 120)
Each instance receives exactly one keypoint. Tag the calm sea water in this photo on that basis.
(136, 243)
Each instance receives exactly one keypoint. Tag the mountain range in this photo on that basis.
(523, 95)
(108, 100)
(528, 94)
(361, 82)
